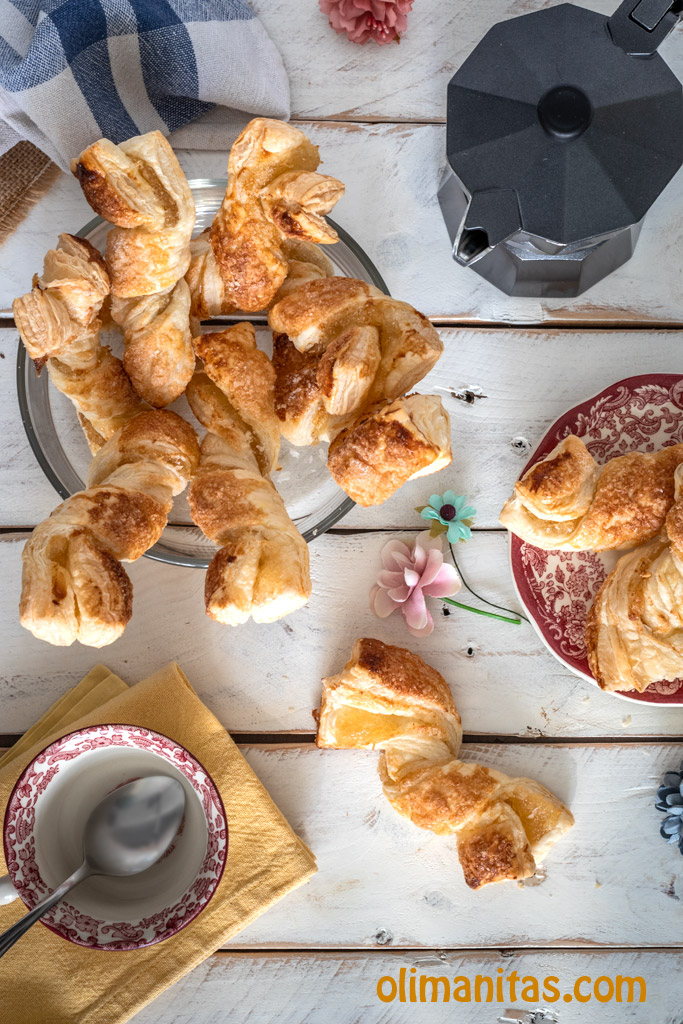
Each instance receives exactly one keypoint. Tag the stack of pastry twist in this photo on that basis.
(344, 357)
(566, 501)
(272, 215)
(139, 187)
(262, 566)
(74, 586)
(388, 699)
(59, 324)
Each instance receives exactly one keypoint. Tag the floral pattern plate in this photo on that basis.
(65, 918)
(557, 588)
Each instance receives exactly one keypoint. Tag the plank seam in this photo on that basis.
(307, 739)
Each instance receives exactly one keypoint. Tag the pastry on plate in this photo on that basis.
(388, 699)
(210, 297)
(158, 355)
(341, 346)
(73, 584)
(274, 193)
(566, 501)
(139, 187)
(59, 323)
(408, 438)
(634, 629)
(262, 568)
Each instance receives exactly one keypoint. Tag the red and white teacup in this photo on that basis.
(43, 832)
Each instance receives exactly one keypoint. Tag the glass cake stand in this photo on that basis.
(313, 499)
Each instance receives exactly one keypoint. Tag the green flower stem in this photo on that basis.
(480, 611)
(518, 615)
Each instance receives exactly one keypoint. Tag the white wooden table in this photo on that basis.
(387, 895)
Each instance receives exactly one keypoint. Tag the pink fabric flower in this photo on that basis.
(410, 575)
(381, 20)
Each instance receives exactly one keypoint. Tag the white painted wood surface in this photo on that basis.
(612, 880)
(383, 883)
(331, 77)
(392, 173)
(529, 378)
(263, 678)
(310, 988)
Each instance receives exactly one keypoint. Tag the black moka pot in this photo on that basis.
(563, 128)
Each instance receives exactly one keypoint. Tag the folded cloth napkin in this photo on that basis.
(74, 71)
(46, 980)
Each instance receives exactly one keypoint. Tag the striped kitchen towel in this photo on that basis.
(73, 71)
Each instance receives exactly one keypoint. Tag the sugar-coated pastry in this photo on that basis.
(73, 584)
(210, 297)
(340, 347)
(140, 187)
(566, 501)
(158, 355)
(262, 568)
(634, 629)
(407, 438)
(388, 699)
(59, 323)
(274, 193)
(244, 375)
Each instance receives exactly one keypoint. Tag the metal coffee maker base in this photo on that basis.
(534, 268)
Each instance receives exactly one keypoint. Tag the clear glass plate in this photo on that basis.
(313, 499)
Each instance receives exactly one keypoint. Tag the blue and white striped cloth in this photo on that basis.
(73, 71)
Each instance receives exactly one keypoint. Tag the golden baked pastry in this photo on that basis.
(140, 187)
(634, 629)
(388, 699)
(305, 262)
(273, 193)
(158, 355)
(59, 325)
(262, 568)
(340, 346)
(407, 438)
(73, 584)
(566, 501)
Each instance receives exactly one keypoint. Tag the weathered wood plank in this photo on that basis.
(528, 377)
(263, 678)
(314, 988)
(611, 881)
(392, 173)
(332, 77)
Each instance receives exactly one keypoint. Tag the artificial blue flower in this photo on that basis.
(451, 512)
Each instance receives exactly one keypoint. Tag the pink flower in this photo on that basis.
(410, 575)
(381, 20)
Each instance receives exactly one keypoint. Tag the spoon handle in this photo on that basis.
(8, 938)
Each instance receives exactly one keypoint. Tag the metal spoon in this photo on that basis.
(125, 834)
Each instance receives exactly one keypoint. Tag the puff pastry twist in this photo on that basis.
(388, 699)
(634, 629)
(140, 187)
(273, 194)
(340, 347)
(59, 324)
(566, 501)
(210, 297)
(262, 568)
(73, 584)
(390, 445)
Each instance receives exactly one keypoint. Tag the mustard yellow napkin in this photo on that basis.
(44, 978)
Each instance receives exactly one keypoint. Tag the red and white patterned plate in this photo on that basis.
(557, 588)
(197, 857)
